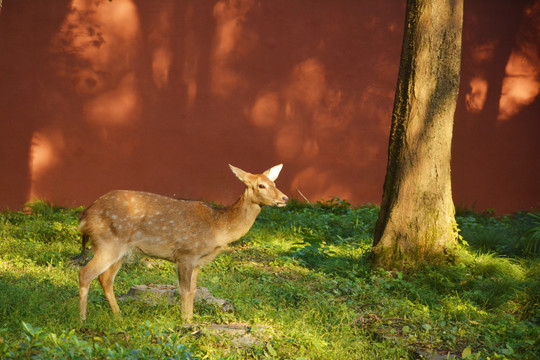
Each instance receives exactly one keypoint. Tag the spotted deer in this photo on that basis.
(188, 233)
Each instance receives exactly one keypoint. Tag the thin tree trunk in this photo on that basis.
(417, 222)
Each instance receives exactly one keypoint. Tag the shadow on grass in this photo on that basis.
(35, 300)
(482, 281)
(503, 235)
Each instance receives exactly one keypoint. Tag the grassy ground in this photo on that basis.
(299, 279)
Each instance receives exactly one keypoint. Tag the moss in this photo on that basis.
(420, 249)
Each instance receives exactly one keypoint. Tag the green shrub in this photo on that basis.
(530, 241)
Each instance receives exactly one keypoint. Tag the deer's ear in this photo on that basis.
(240, 174)
(273, 173)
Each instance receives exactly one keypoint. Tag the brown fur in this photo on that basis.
(189, 233)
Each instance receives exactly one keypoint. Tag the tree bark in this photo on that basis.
(416, 222)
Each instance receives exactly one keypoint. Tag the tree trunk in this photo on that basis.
(416, 222)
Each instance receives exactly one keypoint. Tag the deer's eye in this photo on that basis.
(261, 186)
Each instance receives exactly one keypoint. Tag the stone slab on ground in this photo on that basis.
(153, 293)
(240, 335)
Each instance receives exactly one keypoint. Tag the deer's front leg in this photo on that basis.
(187, 283)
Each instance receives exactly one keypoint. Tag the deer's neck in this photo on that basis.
(238, 218)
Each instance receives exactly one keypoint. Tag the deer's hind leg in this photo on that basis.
(106, 279)
(104, 258)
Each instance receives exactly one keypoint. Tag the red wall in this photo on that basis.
(161, 95)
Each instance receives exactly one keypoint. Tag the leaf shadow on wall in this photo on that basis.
(22, 78)
(498, 107)
(160, 96)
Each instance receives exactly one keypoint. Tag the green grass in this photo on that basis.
(300, 278)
